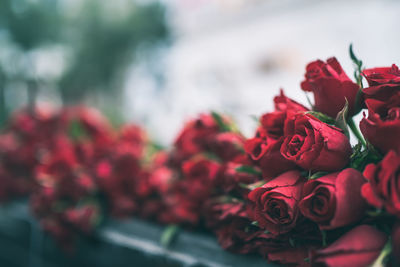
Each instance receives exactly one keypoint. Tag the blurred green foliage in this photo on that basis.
(100, 40)
(31, 23)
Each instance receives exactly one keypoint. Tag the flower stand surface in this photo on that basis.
(130, 242)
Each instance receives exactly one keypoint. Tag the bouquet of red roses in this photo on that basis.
(298, 192)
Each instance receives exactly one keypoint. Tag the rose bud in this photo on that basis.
(383, 189)
(383, 132)
(384, 90)
(273, 123)
(275, 205)
(327, 199)
(266, 153)
(357, 248)
(315, 145)
(331, 87)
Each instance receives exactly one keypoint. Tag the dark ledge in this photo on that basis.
(129, 243)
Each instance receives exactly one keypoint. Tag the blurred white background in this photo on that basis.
(232, 56)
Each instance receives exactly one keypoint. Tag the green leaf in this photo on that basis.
(292, 242)
(317, 175)
(169, 234)
(219, 120)
(322, 117)
(255, 118)
(361, 158)
(375, 213)
(248, 169)
(255, 223)
(252, 186)
(384, 255)
(211, 156)
(341, 119)
(356, 151)
(308, 100)
(76, 131)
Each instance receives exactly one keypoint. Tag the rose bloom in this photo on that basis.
(275, 205)
(265, 151)
(232, 226)
(383, 189)
(315, 145)
(227, 145)
(383, 131)
(331, 87)
(234, 231)
(230, 180)
(273, 122)
(383, 92)
(326, 199)
(185, 196)
(357, 248)
(195, 136)
(264, 148)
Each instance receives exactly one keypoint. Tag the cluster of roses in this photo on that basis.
(68, 161)
(313, 177)
(297, 192)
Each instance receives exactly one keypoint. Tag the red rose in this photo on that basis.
(326, 199)
(384, 90)
(382, 76)
(383, 132)
(264, 148)
(331, 87)
(227, 145)
(231, 225)
(383, 189)
(231, 179)
(273, 122)
(357, 248)
(199, 176)
(275, 205)
(185, 198)
(314, 145)
(265, 151)
(196, 135)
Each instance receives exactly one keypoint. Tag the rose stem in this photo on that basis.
(356, 132)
